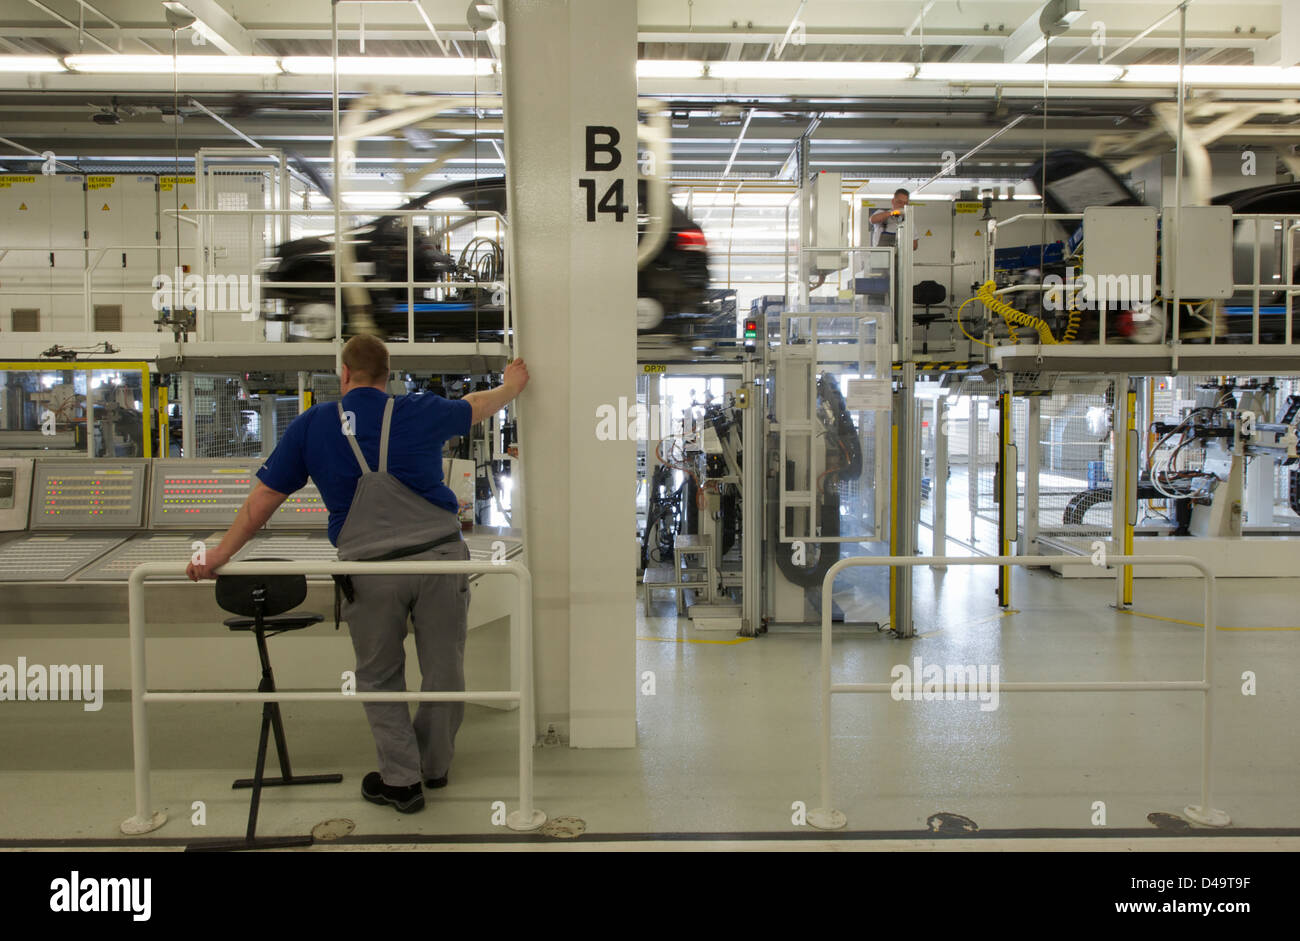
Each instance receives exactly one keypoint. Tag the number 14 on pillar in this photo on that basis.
(603, 156)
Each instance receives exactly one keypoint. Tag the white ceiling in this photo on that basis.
(862, 128)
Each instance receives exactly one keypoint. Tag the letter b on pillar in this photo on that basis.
(602, 148)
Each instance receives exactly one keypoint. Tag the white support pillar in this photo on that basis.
(571, 132)
(187, 414)
(1033, 437)
(266, 425)
(974, 433)
(939, 482)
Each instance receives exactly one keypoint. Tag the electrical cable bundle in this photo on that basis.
(1166, 471)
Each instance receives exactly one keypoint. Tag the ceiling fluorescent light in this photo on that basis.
(669, 68)
(1083, 73)
(30, 64)
(833, 71)
(1213, 75)
(186, 65)
(394, 65)
(1013, 72)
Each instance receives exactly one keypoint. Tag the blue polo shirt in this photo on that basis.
(313, 446)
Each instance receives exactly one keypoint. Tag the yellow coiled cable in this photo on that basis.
(1012, 316)
(1071, 326)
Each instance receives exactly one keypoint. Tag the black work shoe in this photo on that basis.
(407, 800)
(433, 783)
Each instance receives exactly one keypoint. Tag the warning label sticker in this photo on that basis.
(8, 181)
(167, 183)
(99, 182)
(965, 208)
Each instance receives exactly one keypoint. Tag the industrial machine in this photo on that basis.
(695, 502)
(1226, 428)
(1053, 284)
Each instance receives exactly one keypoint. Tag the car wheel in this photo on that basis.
(649, 313)
(314, 321)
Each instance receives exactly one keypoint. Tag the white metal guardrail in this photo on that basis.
(824, 817)
(527, 817)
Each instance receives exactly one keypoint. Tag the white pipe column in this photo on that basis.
(571, 157)
(939, 481)
(266, 427)
(1032, 443)
(187, 414)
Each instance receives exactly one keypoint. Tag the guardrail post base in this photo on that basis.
(515, 820)
(1207, 818)
(827, 819)
(134, 826)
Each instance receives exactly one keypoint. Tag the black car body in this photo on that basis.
(676, 279)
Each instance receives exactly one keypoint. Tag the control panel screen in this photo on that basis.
(189, 494)
(302, 510)
(7, 478)
(88, 495)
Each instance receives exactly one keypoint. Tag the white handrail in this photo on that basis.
(527, 817)
(824, 817)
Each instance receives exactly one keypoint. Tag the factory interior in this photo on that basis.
(908, 456)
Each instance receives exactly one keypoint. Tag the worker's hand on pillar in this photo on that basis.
(516, 377)
(213, 559)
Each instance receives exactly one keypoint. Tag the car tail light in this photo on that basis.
(690, 240)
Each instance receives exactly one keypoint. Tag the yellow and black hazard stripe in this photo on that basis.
(928, 366)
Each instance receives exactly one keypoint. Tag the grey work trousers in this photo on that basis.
(437, 606)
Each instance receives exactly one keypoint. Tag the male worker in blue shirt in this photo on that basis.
(400, 509)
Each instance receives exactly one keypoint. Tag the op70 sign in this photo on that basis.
(603, 155)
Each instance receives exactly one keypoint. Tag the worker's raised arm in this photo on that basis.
(252, 516)
(488, 403)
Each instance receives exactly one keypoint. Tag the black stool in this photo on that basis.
(263, 600)
(927, 293)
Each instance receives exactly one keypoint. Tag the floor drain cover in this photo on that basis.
(950, 823)
(1171, 822)
(333, 829)
(564, 828)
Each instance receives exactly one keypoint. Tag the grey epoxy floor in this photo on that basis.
(728, 742)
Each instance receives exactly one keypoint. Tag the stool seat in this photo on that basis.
(264, 603)
(278, 622)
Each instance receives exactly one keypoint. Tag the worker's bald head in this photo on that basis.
(366, 358)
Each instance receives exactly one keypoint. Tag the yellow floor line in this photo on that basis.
(693, 640)
(1161, 617)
